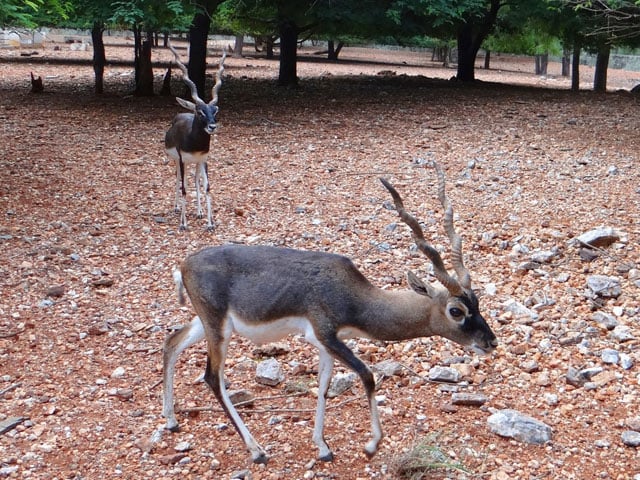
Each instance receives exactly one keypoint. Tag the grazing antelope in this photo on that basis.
(187, 140)
(264, 293)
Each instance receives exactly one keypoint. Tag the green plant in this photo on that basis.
(424, 459)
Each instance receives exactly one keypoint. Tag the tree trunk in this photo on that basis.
(332, 50)
(541, 62)
(99, 57)
(467, 51)
(197, 67)
(237, 50)
(566, 62)
(166, 84)
(144, 86)
(288, 52)
(470, 36)
(137, 48)
(602, 64)
(487, 59)
(269, 47)
(575, 67)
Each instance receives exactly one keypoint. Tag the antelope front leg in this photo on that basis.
(183, 200)
(344, 353)
(207, 195)
(198, 179)
(178, 190)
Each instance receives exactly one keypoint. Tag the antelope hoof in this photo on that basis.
(211, 228)
(172, 427)
(183, 228)
(327, 457)
(370, 449)
(261, 458)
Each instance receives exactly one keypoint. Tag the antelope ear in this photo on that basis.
(186, 104)
(419, 286)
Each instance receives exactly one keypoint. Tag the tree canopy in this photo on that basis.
(524, 26)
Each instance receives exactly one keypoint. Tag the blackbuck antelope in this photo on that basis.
(265, 293)
(187, 140)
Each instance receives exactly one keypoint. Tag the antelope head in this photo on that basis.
(465, 324)
(204, 113)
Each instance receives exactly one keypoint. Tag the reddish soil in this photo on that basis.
(88, 238)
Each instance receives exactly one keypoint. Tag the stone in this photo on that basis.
(444, 374)
(631, 438)
(633, 423)
(388, 368)
(242, 475)
(182, 447)
(10, 423)
(342, 382)
(469, 399)
(622, 333)
(55, 291)
(466, 370)
(244, 397)
(626, 361)
(543, 256)
(171, 459)
(513, 424)
(599, 237)
(604, 286)
(603, 378)
(519, 310)
(269, 372)
(578, 378)
(610, 356)
(605, 320)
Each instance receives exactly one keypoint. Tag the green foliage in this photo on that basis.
(33, 13)
(529, 40)
(152, 15)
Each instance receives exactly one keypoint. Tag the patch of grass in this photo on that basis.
(424, 460)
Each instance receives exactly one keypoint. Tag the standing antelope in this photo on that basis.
(187, 140)
(264, 293)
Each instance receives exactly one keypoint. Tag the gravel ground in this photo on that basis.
(88, 239)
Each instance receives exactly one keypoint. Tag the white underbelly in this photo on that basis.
(268, 332)
(196, 157)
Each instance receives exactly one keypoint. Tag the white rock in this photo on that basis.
(444, 374)
(622, 333)
(269, 372)
(610, 356)
(342, 382)
(519, 309)
(118, 373)
(513, 424)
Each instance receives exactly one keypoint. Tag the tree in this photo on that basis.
(620, 18)
(469, 22)
(34, 13)
(198, 34)
(600, 25)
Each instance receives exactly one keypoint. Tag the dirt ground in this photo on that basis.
(88, 238)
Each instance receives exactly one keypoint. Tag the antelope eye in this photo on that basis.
(455, 312)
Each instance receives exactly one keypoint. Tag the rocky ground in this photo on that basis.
(88, 240)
